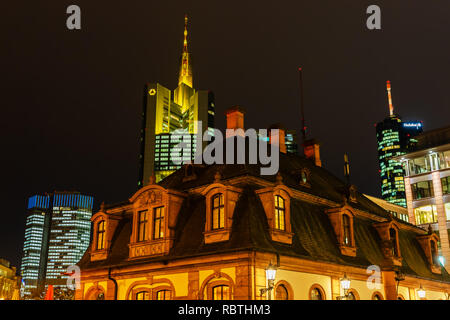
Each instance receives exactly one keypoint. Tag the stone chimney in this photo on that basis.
(235, 118)
(311, 148)
(280, 138)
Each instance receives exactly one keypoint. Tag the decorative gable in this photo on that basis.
(229, 196)
(104, 226)
(270, 198)
(341, 219)
(155, 213)
(429, 242)
(388, 232)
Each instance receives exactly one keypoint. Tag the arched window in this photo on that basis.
(101, 235)
(280, 213)
(377, 296)
(163, 295)
(218, 212)
(400, 297)
(316, 294)
(142, 295)
(351, 296)
(347, 230)
(393, 238)
(142, 225)
(221, 292)
(158, 223)
(281, 293)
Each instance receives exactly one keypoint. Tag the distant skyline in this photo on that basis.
(72, 100)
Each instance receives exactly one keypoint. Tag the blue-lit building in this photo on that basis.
(394, 138)
(57, 234)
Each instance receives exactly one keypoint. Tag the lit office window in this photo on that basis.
(422, 189)
(425, 214)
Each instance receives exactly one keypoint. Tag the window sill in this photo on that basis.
(348, 250)
(220, 235)
(281, 236)
(98, 255)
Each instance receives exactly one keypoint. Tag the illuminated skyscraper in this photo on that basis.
(166, 111)
(427, 183)
(57, 234)
(394, 138)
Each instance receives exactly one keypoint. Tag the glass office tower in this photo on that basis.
(57, 234)
(166, 111)
(394, 138)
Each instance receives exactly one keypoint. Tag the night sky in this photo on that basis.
(71, 100)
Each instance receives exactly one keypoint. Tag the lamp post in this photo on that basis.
(271, 272)
(345, 284)
(421, 293)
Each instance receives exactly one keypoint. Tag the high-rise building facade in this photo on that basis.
(394, 138)
(166, 111)
(57, 234)
(427, 184)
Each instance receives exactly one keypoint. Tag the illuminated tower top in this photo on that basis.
(391, 107)
(186, 68)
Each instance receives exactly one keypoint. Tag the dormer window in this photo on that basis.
(342, 220)
(101, 235)
(103, 224)
(304, 177)
(217, 212)
(276, 202)
(347, 230)
(220, 200)
(158, 223)
(142, 225)
(388, 232)
(429, 244)
(280, 213)
(155, 212)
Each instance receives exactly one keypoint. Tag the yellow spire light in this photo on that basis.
(186, 69)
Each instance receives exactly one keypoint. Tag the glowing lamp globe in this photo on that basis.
(271, 272)
(421, 293)
(345, 282)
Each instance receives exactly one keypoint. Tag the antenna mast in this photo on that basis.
(302, 108)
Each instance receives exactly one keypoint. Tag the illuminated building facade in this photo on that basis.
(213, 232)
(9, 281)
(394, 138)
(56, 236)
(427, 184)
(166, 111)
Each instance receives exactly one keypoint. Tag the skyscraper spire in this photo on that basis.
(186, 69)
(391, 107)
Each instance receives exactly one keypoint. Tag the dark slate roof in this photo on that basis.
(314, 237)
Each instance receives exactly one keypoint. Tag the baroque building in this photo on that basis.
(9, 281)
(212, 232)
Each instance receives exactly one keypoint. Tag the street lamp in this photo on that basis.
(421, 292)
(271, 272)
(345, 284)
